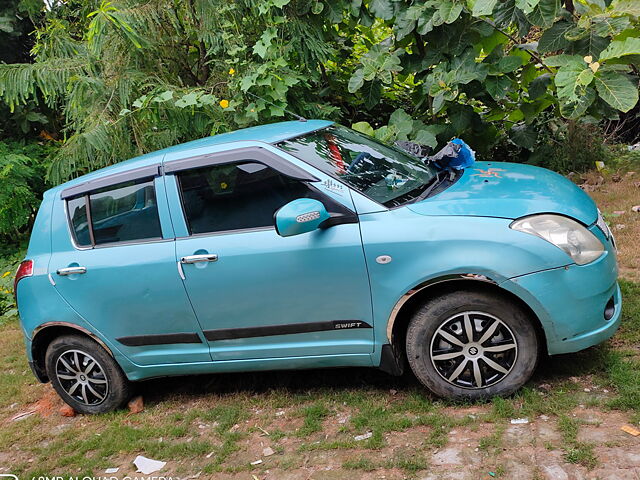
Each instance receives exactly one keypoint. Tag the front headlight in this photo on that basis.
(566, 234)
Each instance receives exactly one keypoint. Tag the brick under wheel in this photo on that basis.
(85, 376)
(472, 345)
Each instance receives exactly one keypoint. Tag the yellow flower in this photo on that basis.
(224, 103)
(6, 274)
(232, 71)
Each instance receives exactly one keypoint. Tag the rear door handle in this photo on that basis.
(207, 257)
(71, 271)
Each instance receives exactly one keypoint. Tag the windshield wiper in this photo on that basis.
(441, 176)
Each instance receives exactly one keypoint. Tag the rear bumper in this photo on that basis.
(571, 302)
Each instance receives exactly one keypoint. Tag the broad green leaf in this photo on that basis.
(164, 96)
(425, 137)
(617, 90)
(567, 80)
(577, 108)
(317, 7)
(544, 13)
(538, 87)
(382, 9)
(562, 60)
(403, 122)
(591, 45)
(280, 3)
(626, 7)
(483, 7)
(506, 14)
(187, 100)
(553, 38)
(524, 136)
(617, 49)
(449, 11)
(498, 87)
(363, 127)
(372, 92)
(607, 26)
(509, 63)
(527, 6)
(438, 102)
(356, 81)
(585, 77)
(533, 109)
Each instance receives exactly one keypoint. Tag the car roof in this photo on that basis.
(269, 133)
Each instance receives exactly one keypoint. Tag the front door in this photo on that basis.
(121, 275)
(259, 295)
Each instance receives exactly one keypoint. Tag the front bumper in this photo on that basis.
(571, 301)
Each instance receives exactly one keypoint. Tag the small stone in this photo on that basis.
(267, 452)
(136, 405)
(280, 413)
(587, 390)
(363, 436)
(393, 391)
(67, 411)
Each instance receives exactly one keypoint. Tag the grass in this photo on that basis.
(575, 451)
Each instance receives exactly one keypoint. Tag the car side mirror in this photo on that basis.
(300, 216)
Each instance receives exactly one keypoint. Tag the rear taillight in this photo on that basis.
(24, 270)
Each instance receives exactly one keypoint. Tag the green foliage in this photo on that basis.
(22, 170)
(9, 261)
(128, 77)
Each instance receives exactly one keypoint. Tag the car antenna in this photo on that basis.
(299, 117)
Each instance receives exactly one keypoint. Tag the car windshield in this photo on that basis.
(385, 174)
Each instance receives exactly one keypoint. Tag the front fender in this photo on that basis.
(424, 249)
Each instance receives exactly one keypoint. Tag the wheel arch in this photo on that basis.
(404, 308)
(44, 334)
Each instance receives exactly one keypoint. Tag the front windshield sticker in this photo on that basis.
(385, 174)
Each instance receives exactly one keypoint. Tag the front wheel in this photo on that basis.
(85, 376)
(471, 345)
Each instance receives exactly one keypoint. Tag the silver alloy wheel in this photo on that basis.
(473, 350)
(82, 377)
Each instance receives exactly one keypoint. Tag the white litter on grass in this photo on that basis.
(518, 421)
(363, 437)
(147, 466)
(257, 462)
(112, 470)
(267, 452)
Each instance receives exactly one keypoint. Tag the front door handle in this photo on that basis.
(71, 271)
(207, 257)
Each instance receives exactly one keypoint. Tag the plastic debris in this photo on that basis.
(635, 208)
(280, 413)
(22, 416)
(267, 452)
(630, 430)
(456, 155)
(112, 470)
(257, 462)
(363, 436)
(147, 466)
(519, 421)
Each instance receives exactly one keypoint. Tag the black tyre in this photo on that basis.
(85, 376)
(471, 345)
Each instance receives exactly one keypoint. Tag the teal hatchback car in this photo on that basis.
(304, 245)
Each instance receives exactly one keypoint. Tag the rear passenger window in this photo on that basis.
(121, 213)
(239, 196)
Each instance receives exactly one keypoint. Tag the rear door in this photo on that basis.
(259, 295)
(114, 263)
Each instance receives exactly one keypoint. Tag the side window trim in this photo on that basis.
(87, 202)
(111, 180)
(256, 154)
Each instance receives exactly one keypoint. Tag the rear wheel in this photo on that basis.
(85, 376)
(471, 345)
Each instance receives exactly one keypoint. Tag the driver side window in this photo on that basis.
(239, 196)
